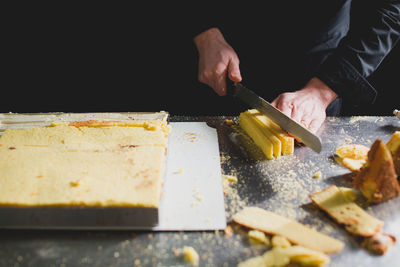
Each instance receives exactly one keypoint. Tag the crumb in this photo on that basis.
(280, 241)
(74, 184)
(317, 174)
(198, 196)
(230, 178)
(176, 252)
(179, 171)
(191, 255)
(258, 236)
(228, 231)
(229, 122)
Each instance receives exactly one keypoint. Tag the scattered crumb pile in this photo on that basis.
(266, 134)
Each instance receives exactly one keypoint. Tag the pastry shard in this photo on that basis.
(379, 243)
(352, 156)
(394, 147)
(266, 134)
(377, 179)
(271, 223)
(341, 209)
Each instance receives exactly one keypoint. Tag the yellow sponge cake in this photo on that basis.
(89, 164)
(266, 134)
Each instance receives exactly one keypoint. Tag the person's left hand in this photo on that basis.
(307, 106)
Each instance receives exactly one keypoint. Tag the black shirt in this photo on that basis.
(281, 45)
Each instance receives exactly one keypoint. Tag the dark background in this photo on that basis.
(118, 58)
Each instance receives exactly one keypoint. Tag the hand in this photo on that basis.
(217, 59)
(307, 106)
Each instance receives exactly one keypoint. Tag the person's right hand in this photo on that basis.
(217, 59)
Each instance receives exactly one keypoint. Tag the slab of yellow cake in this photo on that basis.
(89, 163)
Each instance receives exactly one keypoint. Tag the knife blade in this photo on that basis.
(285, 122)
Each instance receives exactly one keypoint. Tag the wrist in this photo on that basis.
(326, 94)
(208, 35)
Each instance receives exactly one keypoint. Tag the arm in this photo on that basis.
(360, 53)
(344, 73)
(217, 59)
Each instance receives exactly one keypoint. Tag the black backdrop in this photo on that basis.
(115, 58)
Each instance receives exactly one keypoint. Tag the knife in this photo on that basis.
(285, 122)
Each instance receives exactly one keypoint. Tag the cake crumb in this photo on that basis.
(230, 178)
(179, 171)
(176, 252)
(259, 237)
(74, 184)
(317, 175)
(191, 255)
(229, 122)
(228, 231)
(280, 241)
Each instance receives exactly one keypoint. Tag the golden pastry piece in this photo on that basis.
(333, 201)
(394, 147)
(379, 243)
(377, 179)
(352, 156)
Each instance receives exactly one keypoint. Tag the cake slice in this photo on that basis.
(267, 135)
(265, 122)
(259, 138)
(377, 179)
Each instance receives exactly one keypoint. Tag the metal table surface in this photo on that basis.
(281, 185)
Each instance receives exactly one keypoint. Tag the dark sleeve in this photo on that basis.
(360, 53)
(204, 18)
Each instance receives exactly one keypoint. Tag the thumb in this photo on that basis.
(234, 71)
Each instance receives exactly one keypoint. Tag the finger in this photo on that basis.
(220, 85)
(234, 71)
(297, 114)
(315, 125)
(220, 79)
(286, 108)
(275, 102)
(306, 121)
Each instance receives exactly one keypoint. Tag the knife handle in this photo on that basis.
(230, 88)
